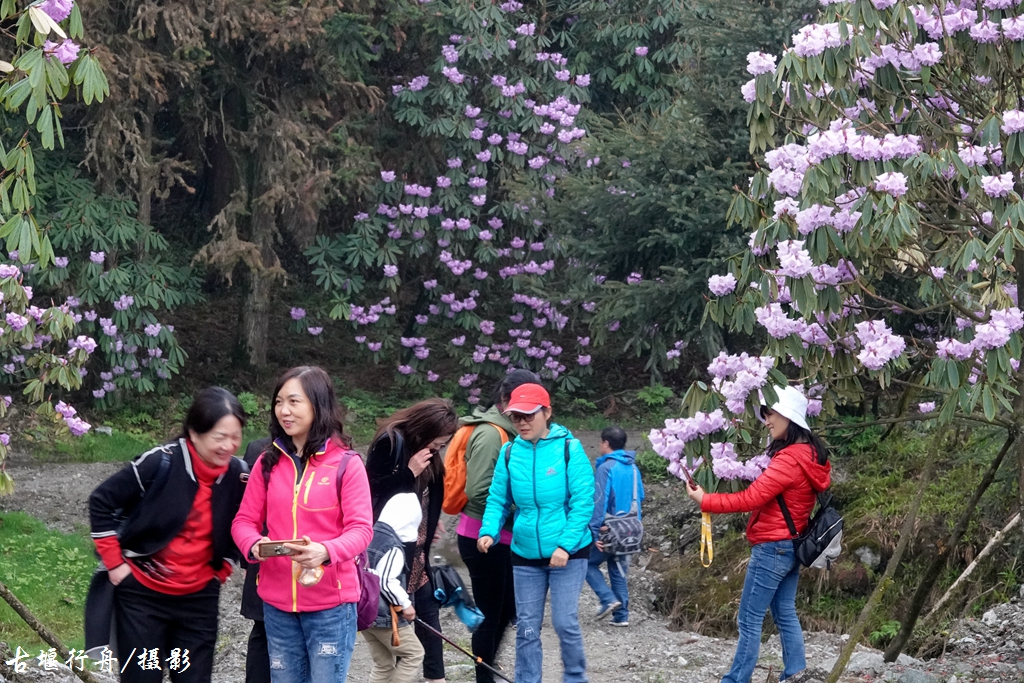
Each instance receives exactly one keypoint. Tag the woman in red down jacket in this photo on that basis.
(798, 471)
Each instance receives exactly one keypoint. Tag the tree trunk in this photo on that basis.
(255, 320)
(906, 533)
(931, 575)
(261, 279)
(147, 169)
(46, 634)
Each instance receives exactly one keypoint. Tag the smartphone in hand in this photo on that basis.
(278, 548)
(689, 477)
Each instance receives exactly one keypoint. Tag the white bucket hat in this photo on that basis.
(792, 404)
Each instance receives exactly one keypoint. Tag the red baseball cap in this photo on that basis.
(528, 399)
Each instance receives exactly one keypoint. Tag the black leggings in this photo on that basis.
(491, 577)
(433, 648)
(155, 630)
(257, 655)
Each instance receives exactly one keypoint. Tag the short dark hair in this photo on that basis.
(615, 436)
(514, 379)
(212, 404)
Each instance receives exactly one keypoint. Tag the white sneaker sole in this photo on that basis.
(607, 611)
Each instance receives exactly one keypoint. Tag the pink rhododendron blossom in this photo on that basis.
(720, 285)
(953, 348)
(985, 31)
(1013, 28)
(997, 185)
(927, 407)
(58, 10)
(760, 63)
(892, 183)
(816, 38)
(66, 51)
(880, 345)
(1013, 121)
(812, 218)
(794, 261)
(749, 90)
(776, 322)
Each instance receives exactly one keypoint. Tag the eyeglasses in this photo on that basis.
(523, 417)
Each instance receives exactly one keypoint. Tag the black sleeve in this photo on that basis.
(387, 467)
(254, 450)
(116, 497)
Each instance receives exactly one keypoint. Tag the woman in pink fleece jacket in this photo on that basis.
(308, 484)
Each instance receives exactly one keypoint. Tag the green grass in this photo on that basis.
(49, 572)
(95, 447)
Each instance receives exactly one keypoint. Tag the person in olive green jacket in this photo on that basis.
(491, 573)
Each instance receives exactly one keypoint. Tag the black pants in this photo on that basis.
(154, 631)
(491, 578)
(433, 648)
(257, 656)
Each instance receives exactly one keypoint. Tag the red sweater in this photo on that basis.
(183, 566)
(795, 473)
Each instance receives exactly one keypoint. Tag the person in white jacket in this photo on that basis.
(395, 530)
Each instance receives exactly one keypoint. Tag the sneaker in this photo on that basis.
(622, 624)
(605, 611)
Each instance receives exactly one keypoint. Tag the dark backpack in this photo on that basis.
(625, 534)
(821, 542)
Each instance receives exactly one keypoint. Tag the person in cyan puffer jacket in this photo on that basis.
(547, 476)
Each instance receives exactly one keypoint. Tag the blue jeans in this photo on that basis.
(308, 647)
(770, 584)
(618, 567)
(531, 586)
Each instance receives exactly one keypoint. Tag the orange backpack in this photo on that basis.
(455, 469)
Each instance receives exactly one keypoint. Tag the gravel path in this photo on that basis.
(646, 652)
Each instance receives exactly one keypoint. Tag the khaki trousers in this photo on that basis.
(409, 655)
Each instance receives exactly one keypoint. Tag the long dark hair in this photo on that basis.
(514, 379)
(796, 434)
(318, 388)
(212, 404)
(419, 424)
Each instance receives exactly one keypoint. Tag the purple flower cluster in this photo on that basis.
(794, 260)
(737, 376)
(58, 10)
(722, 285)
(816, 38)
(66, 51)
(879, 344)
(87, 344)
(670, 441)
(726, 465)
(760, 63)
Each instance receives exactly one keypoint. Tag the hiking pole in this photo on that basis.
(469, 654)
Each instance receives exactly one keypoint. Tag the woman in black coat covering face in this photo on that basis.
(405, 457)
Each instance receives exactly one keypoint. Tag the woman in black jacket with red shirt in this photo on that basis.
(405, 458)
(162, 528)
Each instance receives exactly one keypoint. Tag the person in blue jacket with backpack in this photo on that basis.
(617, 482)
(547, 476)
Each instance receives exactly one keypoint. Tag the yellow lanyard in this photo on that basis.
(705, 539)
